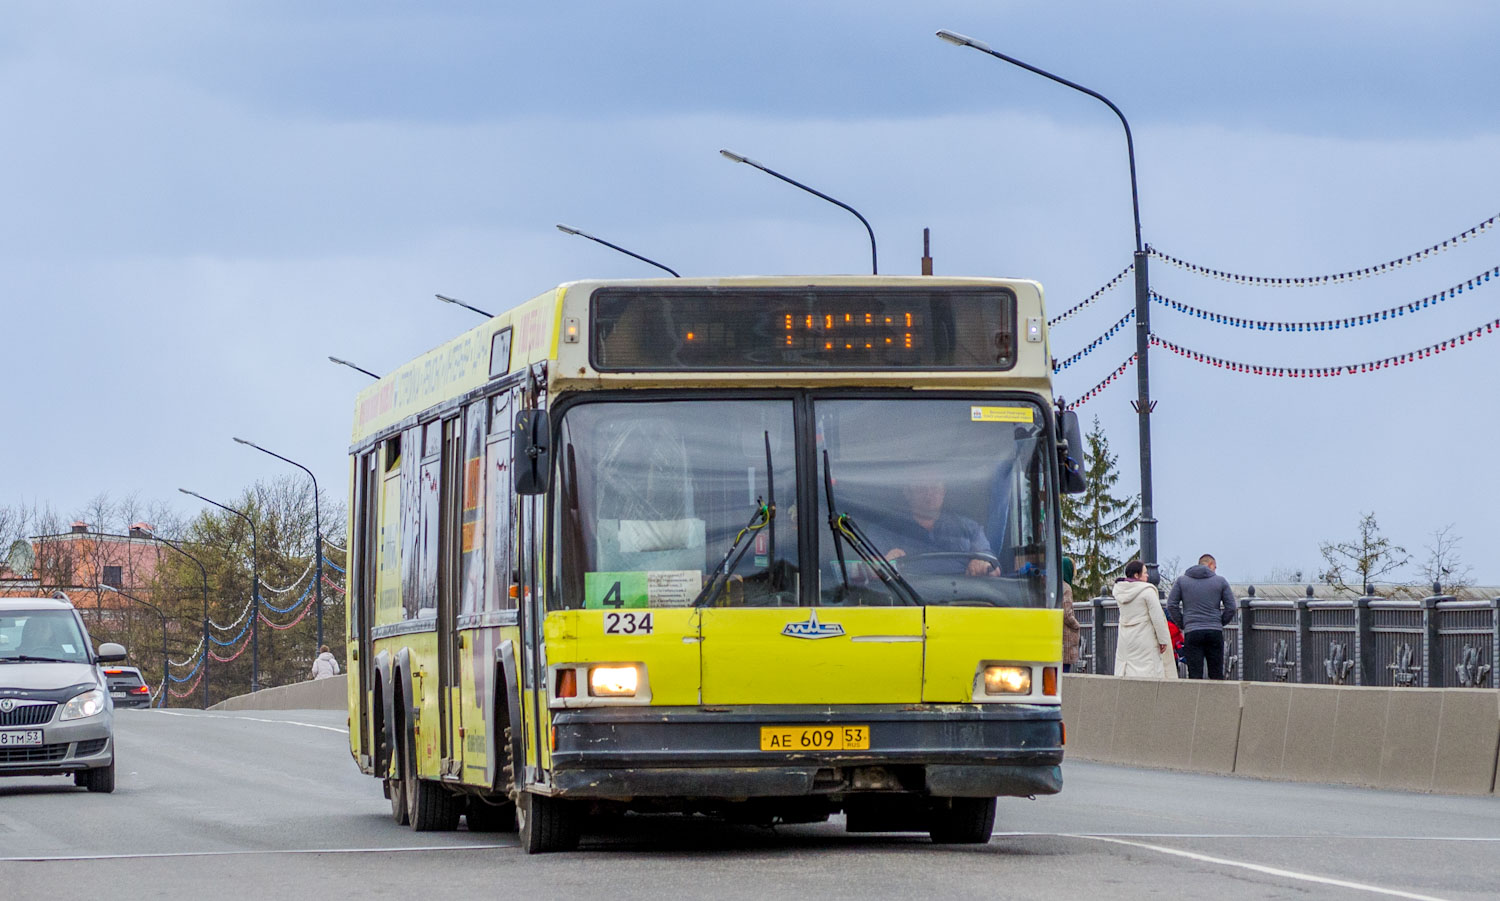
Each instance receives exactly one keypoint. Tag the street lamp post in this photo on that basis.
(207, 644)
(317, 539)
(1143, 403)
(254, 586)
(736, 158)
(570, 230)
(162, 701)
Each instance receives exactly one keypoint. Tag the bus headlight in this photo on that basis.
(90, 703)
(1007, 680)
(613, 681)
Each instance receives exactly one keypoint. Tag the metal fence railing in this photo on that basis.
(1434, 642)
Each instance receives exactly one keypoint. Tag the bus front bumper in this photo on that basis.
(945, 750)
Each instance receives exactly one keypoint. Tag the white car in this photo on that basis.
(56, 717)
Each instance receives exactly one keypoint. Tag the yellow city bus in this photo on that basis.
(762, 548)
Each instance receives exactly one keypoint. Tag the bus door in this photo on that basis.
(450, 494)
(361, 655)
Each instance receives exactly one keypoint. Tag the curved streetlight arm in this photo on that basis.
(569, 230)
(960, 40)
(201, 569)
(333, 359)
(459, 303)
(254, 535)
(736, 158)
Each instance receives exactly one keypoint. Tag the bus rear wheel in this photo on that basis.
(430, 807)
(547, 824)
(962, 821)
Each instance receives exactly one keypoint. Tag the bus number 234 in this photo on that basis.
(627, 623)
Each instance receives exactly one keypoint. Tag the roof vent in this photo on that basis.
(80, 526)
(140, 530)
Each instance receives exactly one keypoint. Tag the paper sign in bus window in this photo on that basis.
(636, 590)
(1002, 414)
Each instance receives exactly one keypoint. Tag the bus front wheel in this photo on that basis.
(547, 824)
(962, 821)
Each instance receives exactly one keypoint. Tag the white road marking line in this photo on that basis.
(1270, 871)
(251, 719)
(76, 857)
(1305, 836)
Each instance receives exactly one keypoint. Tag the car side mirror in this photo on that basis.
(1070, 453)
(531, 452)
(109, 652)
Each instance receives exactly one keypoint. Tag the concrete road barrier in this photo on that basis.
(1436, 740)
(331, 693)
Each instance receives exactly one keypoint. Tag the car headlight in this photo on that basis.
(1007, 680)
(90, 703)
(613, 681)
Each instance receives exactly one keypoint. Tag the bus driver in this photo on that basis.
(927, 529)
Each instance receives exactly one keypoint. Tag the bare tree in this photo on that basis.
(1169, 569)
(1443, 564)
(1284, 574)
(1351, 565)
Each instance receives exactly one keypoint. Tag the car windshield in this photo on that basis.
(948, 494)
(27, 635)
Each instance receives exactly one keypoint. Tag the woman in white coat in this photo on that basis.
(1145, 645)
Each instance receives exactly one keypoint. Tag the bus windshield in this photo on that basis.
(669, 504)
(949, 494)
(653, 498)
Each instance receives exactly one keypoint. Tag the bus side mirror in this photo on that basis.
(1070, 453)
(531, 452)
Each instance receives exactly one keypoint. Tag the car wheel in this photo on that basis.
(962, 821)
(99, 779)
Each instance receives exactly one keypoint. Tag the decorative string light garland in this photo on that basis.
(1336, 278)
(1094, 391)
(1323, 325)
(1092, 297)
(1060, 365)
(1329, 371)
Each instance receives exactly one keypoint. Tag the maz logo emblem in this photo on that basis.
(812, 629)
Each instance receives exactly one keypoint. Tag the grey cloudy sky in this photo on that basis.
(204, 200)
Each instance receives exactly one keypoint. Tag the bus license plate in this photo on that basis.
(28, 738)
(814, 738)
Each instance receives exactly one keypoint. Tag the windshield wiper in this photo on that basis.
(28, 658)
(764, 513)
(841, 525)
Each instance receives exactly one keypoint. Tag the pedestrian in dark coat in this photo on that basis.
(1201, 605)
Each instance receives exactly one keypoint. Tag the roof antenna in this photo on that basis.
(926, 251)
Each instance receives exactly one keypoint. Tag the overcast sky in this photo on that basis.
(202, 201)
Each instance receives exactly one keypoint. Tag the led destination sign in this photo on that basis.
(701, 329)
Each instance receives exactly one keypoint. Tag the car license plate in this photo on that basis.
(814, 738)
(20, 739)
(117, 694)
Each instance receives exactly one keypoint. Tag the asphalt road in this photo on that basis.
(253, 805)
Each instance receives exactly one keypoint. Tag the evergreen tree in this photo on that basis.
(1099, 529)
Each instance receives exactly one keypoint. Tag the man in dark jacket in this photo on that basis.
(1201, 605)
